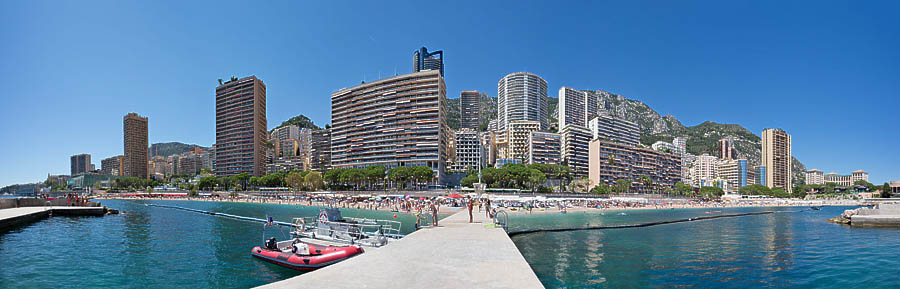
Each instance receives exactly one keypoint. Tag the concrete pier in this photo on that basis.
(12, 217)
(456, 254)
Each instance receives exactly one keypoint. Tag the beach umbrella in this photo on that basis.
(454, 196)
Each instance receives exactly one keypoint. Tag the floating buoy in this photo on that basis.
(395, 216)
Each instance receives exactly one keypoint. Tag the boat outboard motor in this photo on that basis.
(271, 244)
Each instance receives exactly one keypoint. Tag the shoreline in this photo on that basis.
(446, 210)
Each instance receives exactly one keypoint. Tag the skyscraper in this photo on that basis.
(470, 109)
(575, 142)
(518, 135)
(614, 129)
(521, 96)
(80, 164)
(776, 159)
(726, 149)
(424, 60)
(576, 107)
(241, 127)
(320, 158)
(395, 121)
(543, 148)
(136, 145)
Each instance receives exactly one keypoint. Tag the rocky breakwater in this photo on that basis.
(886, 215)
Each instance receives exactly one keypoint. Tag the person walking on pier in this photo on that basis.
(470, 203)
(487, 207)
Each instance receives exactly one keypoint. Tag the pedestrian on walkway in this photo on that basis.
(470, 204)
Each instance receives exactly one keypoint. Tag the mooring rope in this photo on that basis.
(643, 224)
(221, 214)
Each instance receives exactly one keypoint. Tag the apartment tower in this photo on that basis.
(521, 96)
(470, 109)
(241, 127)
(576, 107)
(776, 159)
(136, 146)
(80, 164)
(395, 121)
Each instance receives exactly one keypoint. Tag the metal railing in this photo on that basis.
(501, 218)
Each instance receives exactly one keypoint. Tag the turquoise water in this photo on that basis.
(151, 247)
(791, 249)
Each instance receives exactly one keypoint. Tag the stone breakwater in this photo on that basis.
(887, 215)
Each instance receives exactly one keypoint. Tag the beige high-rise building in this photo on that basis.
(395, 121)
(518, 133)
(815, 177)
(776, 159)
(136, 146)
(241, 127)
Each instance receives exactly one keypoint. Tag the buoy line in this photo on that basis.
(700, 218)
(222, 214)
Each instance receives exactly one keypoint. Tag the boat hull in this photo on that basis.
(320, 256)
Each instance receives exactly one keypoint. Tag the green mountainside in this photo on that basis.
(302, 121)
(171, 148)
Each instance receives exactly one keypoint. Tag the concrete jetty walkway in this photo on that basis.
(17, 216)
(456, 254)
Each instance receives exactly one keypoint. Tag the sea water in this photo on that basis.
(794, 248)
(153, 247)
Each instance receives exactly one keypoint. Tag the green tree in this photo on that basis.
(711, 192)
(683, 189)
(601, 189)
(755, 190)
(535, 179)
(314, 181)
(647, 182)
(886, 190)
(207, 183)
(294, 180)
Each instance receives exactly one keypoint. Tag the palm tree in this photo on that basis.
(647, 182)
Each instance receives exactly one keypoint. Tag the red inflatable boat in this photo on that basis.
(304, 256)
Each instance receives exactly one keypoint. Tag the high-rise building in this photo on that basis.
(705, 170)
(574, 145)
(241, 127)
(615, 130)
(424, 60)
(726, 149)
(80, 164)
(113, 165)
(577, 107)
(521, 96)
(815, 177)
(610, 161)
(136, 145)
(518, 133)
(776, 158)
(735, 173)
(280, 134)
(470, 109)
(468, 150)
(395, 121)
(320, 158)
(543, 148)
(289, 147)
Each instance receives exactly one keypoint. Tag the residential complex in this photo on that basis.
(615, 130)
(610, 161)
(776, 159)
(395, 121)
(574, 144)
(518, 133)
(470, 109)
(241, 127)
(424, 60)
(320, 155)
(705, 171)
(859, 175)
(521, 96)
(543, 148)
(840, 180)
(815, 177)
(577, 107)
(734, 173)
(468, 150)
(726, 149)
(80, 164)
(113, 166)
(136, 145)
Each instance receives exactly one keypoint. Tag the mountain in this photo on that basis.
(171, 148)
(302, 121)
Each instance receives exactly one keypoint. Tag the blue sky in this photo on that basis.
(828, 72)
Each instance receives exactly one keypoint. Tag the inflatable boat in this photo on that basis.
(303, 256)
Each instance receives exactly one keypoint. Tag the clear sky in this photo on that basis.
(828, 72)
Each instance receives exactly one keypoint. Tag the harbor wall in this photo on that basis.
(31, 202)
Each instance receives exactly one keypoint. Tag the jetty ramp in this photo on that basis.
(456, 254)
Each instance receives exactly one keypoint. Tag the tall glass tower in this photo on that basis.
(424, 60)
